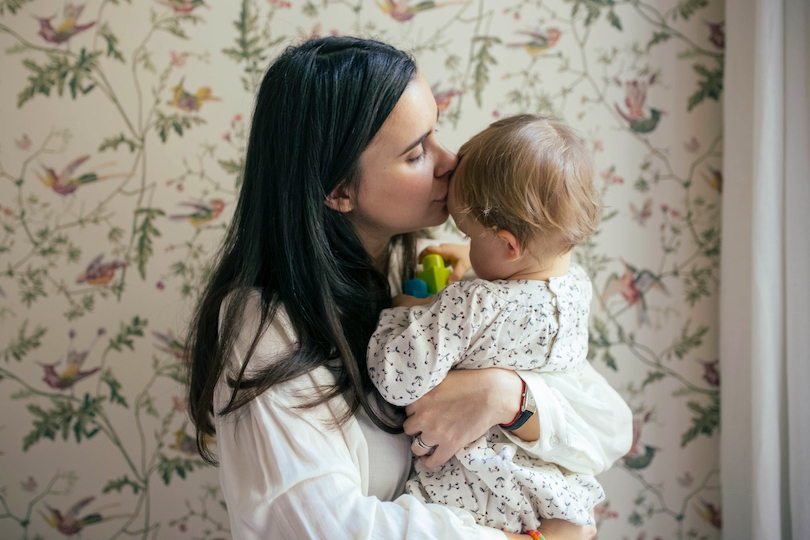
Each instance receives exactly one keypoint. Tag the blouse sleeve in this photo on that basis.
(288, 472)
(585, 425)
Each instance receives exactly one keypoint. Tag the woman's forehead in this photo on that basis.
(413, 117)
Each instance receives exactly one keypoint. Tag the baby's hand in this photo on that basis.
(404, 300)
(457, 255)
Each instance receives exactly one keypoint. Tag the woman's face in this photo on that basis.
(404, 172)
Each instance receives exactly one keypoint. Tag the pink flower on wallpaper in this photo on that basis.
(496, 114)
(178, 59)
(693, 145)
(7, 211)
(179, 404)
(24, 142)
(598, 145)
(605, 513)
(29, 485)
(160, 286)
(641, 215)
(226, 136)
(281, 4)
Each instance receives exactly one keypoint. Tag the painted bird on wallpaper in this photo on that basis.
(190, 102)
(635, 94)
(72, 373)
(70, 523)
(183, 442)
(67, 29)
(633, 285)
(540, 41)
(203, 212)
(171, 345)
(65, 184)
(717, 34)
(401, 11)
(634, 459)
(182, 6)
(98, 273)
(445, 97)
(714, 178)
(710, 513)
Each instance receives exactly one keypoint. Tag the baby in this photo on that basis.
(523, 192)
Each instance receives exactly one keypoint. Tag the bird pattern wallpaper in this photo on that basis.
(121, 156)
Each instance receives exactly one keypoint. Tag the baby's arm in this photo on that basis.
(414, 348)
(584, 423)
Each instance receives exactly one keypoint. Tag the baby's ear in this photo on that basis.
(511, 244)
(339, 200)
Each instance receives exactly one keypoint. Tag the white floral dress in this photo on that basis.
(521, 325)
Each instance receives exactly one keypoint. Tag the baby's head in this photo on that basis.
(527, 180)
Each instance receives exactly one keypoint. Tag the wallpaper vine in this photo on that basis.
(121, 155)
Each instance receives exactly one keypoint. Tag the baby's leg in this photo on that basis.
(558, 529)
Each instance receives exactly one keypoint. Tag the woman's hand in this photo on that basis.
(407, 300)
(559, 529)
(457, 255)
(461, 409)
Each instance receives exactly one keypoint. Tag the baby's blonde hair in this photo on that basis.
(531, 176)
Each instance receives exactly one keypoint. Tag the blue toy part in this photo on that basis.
(416, 287)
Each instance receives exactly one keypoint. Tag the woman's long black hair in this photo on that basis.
(318, 107)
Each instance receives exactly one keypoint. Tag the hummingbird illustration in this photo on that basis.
(639, 462)
(540, 40)
(635, 94)
(444, 97)
(98, 273)
(190, 102)
(64, 183)
(717, 34)
(633, 285)
(171, 345)
(67, 29)
(714, 178)
(711, 513)
(70, 523)
(182, 6)
(710, 373)
(400, 11)
(72, 373)
(634, 459)
(183, 442)
(203, 212)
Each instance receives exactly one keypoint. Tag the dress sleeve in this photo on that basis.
(585, 425)
(287, 473)
(413, 348)
(291, 472)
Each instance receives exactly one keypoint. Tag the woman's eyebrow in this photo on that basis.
(419, 141)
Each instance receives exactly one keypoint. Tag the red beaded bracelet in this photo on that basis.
(536, 535)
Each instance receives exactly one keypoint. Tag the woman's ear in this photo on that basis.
(339, 200)
(513, 249)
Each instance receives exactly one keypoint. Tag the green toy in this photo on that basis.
(434, 274)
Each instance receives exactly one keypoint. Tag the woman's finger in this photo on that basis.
(421, 448)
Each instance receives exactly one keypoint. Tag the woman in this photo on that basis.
(342, 166)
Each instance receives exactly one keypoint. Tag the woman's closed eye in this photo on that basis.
(417, 158)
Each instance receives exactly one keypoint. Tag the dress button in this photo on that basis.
(554, 441)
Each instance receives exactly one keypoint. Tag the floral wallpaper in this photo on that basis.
(124, 128)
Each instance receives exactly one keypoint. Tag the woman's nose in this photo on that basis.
(445, 163)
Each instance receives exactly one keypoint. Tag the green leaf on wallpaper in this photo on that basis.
(482, 59)
(115, 142)
(705, 421)
(610, 361)
(23, 344)
(614, 20)
(112, 41)
(180, 466)
(172, 24)
(709, 86)
(56, 73)
(687, 8)
(115, 388)
(658, 37)
(247, 44)
(146, 230)
(126, 333)
(31, 285)
(60, 419)
(601, 329)
(230, 166)
(653, 376)
(120, 483)
(686, 342)
(12, 5)
(165, 124)
(696, 284)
